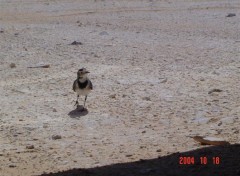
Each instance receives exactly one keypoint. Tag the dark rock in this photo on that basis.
(146, 98)
(112, 96)
(76, 43)
(214, 90)
(55, 137)
(231, 15)
(12, 65)
(30, 147)
(12, 165)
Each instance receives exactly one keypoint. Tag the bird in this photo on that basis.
(82, 85)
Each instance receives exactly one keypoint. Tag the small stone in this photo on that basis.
(214, 90)
(55, 137)
(215, 73)
(147, 98)
(12, 65)
(76, 43)
(30, 147)
(231, 15)
(219, 131)
(159, 150)
(236, 132)
(129, 155)
(1, 31)
(202, 79)
(112, 96)
(54, 110)
(143, 131)
(95, 55)
(12, 165)
(124, 95)
(164, 80)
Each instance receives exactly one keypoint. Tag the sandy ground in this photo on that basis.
(152, 65)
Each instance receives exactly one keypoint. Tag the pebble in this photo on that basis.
(54, 110)
(236, 132)
(12, 165)
(164, 81)
(215, 73)
(129, 155)
(30, 147)
(159, 150)
(214, 90)
(231, 15)
(76, 43)
(12, 65)
(112, 96)
(45, 125)
(55, 137)
(146, 98)
(124, 95)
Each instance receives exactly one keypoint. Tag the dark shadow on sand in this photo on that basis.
(169, 165)
(78, 112)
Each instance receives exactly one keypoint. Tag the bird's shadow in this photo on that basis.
(78, 112)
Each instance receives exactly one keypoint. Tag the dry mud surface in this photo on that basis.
(152, 65)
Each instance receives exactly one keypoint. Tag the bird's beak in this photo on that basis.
(87, 72)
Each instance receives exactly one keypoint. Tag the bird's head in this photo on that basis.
(82, 73)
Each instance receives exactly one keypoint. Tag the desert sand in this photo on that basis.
(154, 65)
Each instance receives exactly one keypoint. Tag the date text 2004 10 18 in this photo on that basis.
(188, 160)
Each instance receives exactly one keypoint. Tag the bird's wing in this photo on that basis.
(90, 85)
(74, 85)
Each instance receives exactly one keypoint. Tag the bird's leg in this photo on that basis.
(85, 101)
(77, 101)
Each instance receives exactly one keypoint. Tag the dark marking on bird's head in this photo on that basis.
(82, 72)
